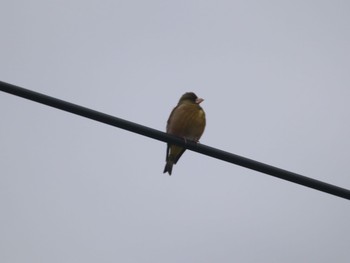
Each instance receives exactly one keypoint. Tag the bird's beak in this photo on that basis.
(199, 100)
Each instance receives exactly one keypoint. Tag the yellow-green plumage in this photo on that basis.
(187, 120)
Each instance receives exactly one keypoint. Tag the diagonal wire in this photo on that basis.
(161, 136)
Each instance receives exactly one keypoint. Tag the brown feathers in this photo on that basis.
(187, 120)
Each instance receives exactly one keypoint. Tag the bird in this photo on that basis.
(187, 120)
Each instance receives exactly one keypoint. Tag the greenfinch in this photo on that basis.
(187, 120)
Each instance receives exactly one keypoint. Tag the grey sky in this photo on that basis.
(275, 79)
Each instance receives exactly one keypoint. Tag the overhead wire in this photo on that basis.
(164, 137)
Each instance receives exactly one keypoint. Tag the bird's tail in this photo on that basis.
(168, 167)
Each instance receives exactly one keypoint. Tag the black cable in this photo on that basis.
(158, 135)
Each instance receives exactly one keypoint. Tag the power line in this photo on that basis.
(161, 136)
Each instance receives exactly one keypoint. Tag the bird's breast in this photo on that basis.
(187, 121)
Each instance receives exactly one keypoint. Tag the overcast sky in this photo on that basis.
(276, 83)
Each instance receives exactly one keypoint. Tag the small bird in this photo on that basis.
(187, 120)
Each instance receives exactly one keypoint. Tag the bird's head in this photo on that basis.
(191, 97)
